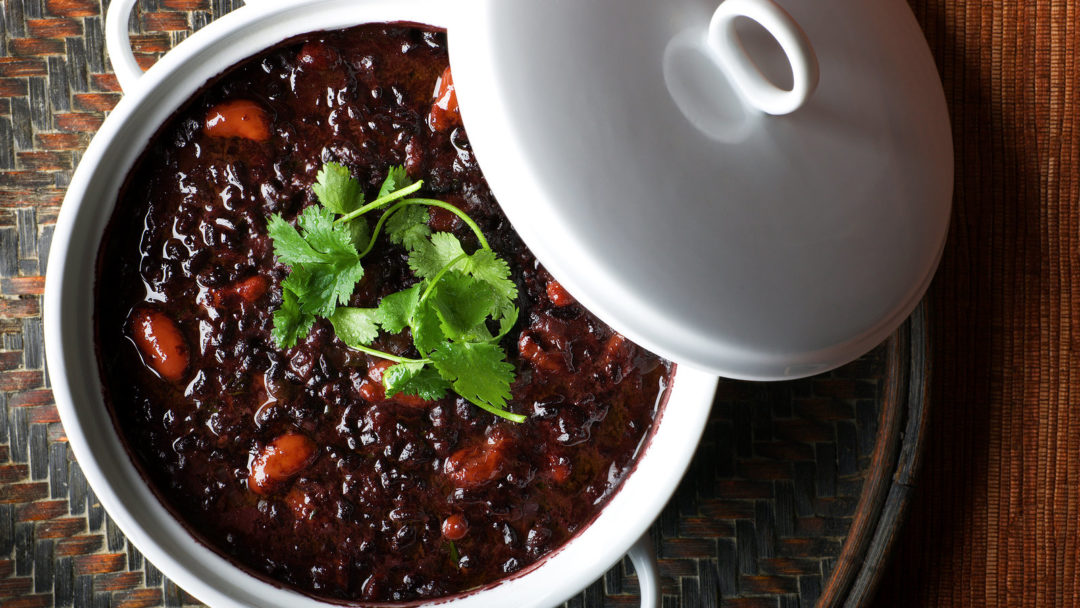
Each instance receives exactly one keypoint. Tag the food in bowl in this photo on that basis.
(282, 439)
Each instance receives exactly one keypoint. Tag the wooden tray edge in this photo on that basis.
(881, 511)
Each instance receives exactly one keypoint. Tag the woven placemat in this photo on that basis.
(759, 520)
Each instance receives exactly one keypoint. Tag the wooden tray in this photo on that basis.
(793, 497)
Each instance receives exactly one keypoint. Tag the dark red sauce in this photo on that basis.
(293, 462)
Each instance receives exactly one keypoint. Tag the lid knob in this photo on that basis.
(744, 74)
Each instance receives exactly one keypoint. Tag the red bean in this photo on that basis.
(559, 468)
(249, 290)
(534, 353)
(317, 55)
(162, 345)
(375, 370)
(277, 462)
(300, 503)
(455, 527)
(558, 294)
(473, 466)
(238, 118)
(374, 390)
(444, 112)
(617, 345)
(409, 400)
(618, 356)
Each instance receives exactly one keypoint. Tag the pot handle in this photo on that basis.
(740, 68)
(118, 44)
(643, 557)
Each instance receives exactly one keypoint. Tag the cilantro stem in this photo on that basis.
(378, 226)
(386, 355)
(439, 275)
(496, 411)
(458, 212)
(379, 202)
(502, 334)
(428, 202)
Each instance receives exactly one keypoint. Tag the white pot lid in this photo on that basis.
(657, 176)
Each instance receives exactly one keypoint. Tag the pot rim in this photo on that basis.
(73, 366)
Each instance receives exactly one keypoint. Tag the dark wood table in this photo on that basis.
(774, 488)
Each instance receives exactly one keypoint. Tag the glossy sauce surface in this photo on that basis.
(293, 462)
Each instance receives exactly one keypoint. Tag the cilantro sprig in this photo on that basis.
(459, 309)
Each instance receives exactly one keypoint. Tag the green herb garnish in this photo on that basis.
(461, 306)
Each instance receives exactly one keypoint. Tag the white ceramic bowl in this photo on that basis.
(148, 101)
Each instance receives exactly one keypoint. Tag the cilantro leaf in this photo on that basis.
(462, 303)
(289, 246)
(323, 287)
(508, 316)
(428, 259)
(426, 328)
(333, 241)
(408, 227)
(337, 190)
(479, 333)
(396, 179)
(346, 276)
(356, 326)
(297, 283)
(360, 233)
(324, 264)
(290, 323)
(414, 379)
(485, 266)
(396, 309)
(463, 295)
(478, 372)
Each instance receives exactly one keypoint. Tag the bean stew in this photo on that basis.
(294, 462)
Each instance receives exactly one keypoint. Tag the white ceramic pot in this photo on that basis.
(148, 101)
